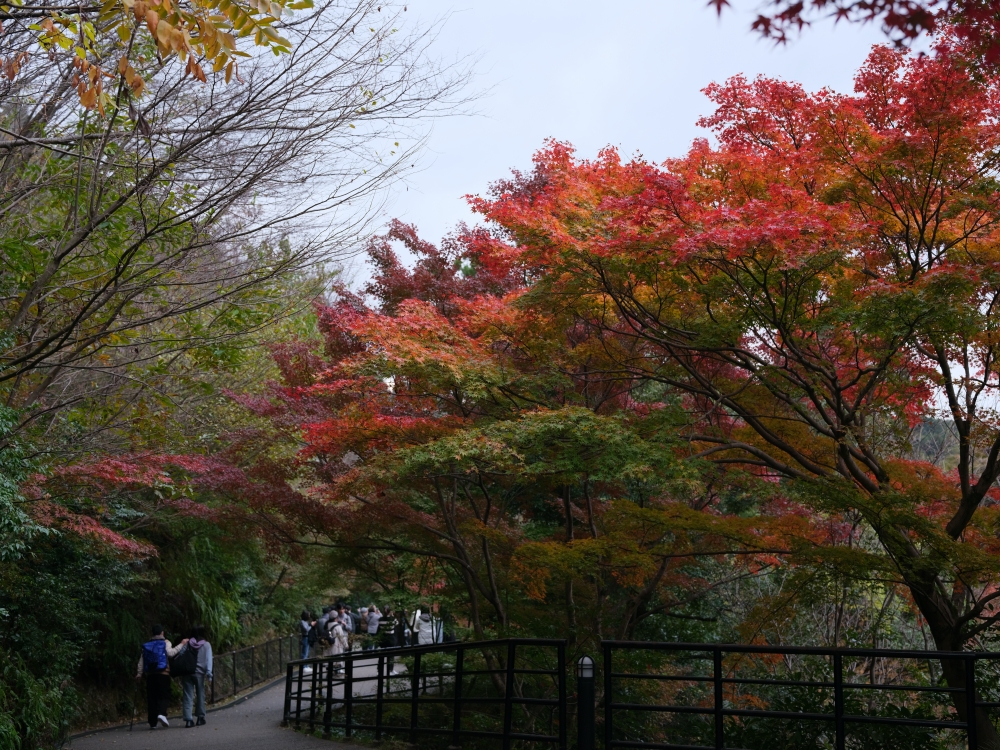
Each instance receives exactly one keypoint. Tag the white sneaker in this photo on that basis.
(163, 721)
(307, 670)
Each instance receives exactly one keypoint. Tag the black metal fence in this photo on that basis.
(666, 696)
(656, 696)
(490, 693)
(242, 669)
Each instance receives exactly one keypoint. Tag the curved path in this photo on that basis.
(251, 724)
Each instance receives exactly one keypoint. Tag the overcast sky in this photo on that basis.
(628, 73)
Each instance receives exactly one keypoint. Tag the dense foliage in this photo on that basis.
(746, 395)
(158, 234)
(695, 397)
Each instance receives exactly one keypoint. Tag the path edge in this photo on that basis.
(236, 702)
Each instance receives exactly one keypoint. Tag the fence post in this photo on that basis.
(348, 696)
(561, 687)
(286, 714)
(314, 678)
(267, 660)
(253, 658)
(378, 699)
(456, 718)
(328, 713)
(298, 700)
(508, 697)
(717, 677)
(608, 699)
(584, 703)
(234, 673)
(970, 702)
(838, 699)
(414, 696)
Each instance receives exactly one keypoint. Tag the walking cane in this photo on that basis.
(135, 697)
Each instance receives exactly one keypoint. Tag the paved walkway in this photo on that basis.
(254, 724)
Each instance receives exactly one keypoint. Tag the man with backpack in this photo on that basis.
(155, 664)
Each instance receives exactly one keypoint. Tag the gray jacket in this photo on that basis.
(204, 649)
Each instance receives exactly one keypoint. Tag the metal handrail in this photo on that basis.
(312, 686)
(965, 697)
(244, 668)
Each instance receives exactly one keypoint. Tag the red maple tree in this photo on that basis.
(814, 288)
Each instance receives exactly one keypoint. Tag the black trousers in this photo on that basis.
(157, 696)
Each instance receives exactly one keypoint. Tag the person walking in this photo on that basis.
(401, 629)
(423, 627)
(387, 629)
(194, 684)
(155, 665)
(372, 619)
(355, 620)
(323, 631)
(305, 625)
(363, 628)
(338, 638)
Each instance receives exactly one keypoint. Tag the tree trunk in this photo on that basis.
(947, 636)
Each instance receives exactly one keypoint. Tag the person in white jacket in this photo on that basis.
(423, 626)
(338, 640)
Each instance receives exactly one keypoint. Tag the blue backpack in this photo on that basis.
(154, 656)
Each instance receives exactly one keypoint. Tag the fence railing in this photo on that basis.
(663, 696)
(244, 668)
(496, 692)
(656, 696)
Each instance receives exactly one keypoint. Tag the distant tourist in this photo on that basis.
(155, 664)
(387, 630)
(194, 684)
(401, 629)
(363, 628)
(372, 619)
(355, 620)
(305, 625)
(423, 626)
(323, 630)
(338, 639)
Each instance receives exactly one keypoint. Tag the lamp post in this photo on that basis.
(585, 703)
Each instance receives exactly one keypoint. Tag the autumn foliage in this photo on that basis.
(642, 383)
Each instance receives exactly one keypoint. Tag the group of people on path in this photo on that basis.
(339, 628)
(191, 660)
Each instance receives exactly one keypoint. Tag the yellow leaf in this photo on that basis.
(163, 31)
(229, 72)
(152, 20)
(89, 98)
(124, 33)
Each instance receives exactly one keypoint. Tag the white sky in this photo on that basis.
(626, 73)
